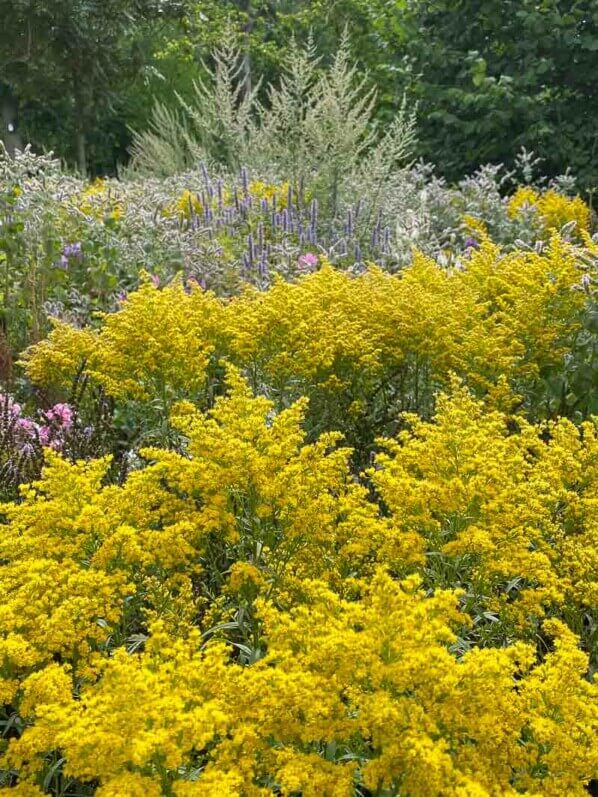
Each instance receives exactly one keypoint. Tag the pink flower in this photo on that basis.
(27, 426)
(307, 262)
(44, 435)
(62, 414)
(155, 280)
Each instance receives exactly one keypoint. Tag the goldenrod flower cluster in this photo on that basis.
(248, 613)
(554, 210)
(350, 692)
(512, 513)
(502, 317)
(189, 204)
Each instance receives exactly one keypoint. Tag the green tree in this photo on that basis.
(71, 59)
(492, 77)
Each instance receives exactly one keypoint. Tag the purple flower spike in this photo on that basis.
(27, 450)
(349, 225)
(471, 243)
(314, 212)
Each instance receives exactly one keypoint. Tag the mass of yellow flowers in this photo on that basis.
(552, 209)
(361, 562)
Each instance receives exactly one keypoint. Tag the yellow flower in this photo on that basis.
(187, 205)
(554, 210)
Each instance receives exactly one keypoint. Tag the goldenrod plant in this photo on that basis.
(346, 552)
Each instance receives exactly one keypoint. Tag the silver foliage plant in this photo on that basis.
(315, 128)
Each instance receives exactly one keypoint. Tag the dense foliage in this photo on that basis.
(299, 496)
(486, 78)
(70, 64)
(491, 77)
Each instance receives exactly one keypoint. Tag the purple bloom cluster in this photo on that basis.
(70, 252)
(265, 231)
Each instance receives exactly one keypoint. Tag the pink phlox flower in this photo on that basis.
(61, 414)
(44, 435)
(28, 426)
(307, 262)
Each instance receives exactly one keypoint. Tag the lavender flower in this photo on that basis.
(245, 180)
(72, 250)
(349, 225)
(250, 251)
(386, 246)
(27, 451)
(204, 173)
